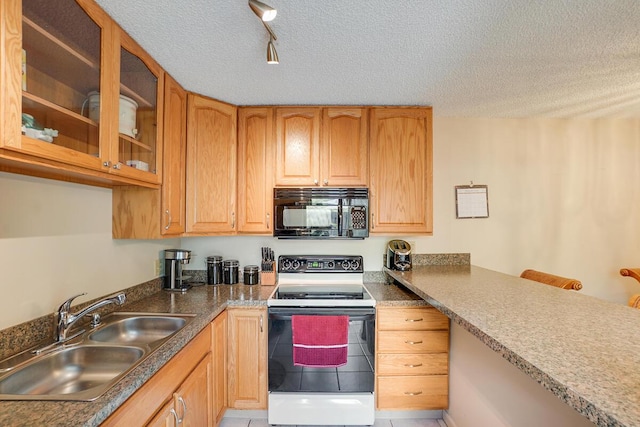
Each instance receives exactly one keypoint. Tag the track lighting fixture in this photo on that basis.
(266, 13)
(272, 55)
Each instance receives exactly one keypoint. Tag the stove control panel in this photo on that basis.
(320, 264)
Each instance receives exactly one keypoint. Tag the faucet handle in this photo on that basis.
(66, 306)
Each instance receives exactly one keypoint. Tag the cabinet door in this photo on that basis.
(52, 59)
(255, 170)
(297, 146)
(167, 417)
(136, 149)
(192, 401)
(247, 358)
(344, 159)
(219, 353)
(174, 158)
(401, 172)
(211, 166)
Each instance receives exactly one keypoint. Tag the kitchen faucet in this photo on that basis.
(65, 319)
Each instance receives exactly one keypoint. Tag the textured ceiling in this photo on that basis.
(488, 58)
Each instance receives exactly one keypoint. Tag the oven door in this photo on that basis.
(305, 395)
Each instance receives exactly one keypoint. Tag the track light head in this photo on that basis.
(272, 55)
(263, 11)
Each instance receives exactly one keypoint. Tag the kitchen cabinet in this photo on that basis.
(219, 352)
(401, 170)
(255, 170)
(143, 213)
(247, 369)
(344, 147)
(183, 385)
(190, 403)
(211, 166)
(61, 70)
(412, 358)
(321, 146)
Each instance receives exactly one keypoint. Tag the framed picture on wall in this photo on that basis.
(472, 201)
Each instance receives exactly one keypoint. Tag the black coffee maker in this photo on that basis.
(398, 255)
(174, 260)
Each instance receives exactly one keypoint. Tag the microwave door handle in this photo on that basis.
(339, 217)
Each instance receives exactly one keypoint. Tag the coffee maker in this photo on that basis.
(398, 255)
(174, 260)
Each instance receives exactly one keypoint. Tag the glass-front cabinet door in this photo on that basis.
(139, 122)
(61, 62)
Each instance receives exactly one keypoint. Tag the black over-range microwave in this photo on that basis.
(321, 213)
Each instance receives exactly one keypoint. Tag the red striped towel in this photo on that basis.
(320, 341)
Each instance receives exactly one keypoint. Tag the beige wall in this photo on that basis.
(563, 197)
(55, 242)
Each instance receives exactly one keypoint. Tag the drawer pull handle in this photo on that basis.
(414, 320)
(413, 393)
(409, 365)
(413, 342)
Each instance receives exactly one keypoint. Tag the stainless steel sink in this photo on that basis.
(138, 328)
(84, 371)
(85, 367)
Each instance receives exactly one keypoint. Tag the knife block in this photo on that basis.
(268, 278)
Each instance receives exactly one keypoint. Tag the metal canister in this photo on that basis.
(214, 270)
(251, 274)
(230, 271)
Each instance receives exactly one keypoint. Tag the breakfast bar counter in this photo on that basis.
(583, 349)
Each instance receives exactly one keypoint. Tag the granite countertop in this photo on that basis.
(204, 301)
(583, 349)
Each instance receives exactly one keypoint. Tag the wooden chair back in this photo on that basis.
(634, 301)
(552, 280)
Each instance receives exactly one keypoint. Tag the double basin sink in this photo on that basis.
(85, 367)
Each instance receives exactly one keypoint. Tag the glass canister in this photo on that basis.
(251, 274)
(230, 271)
(214, 270)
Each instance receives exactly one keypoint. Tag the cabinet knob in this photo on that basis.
(413, 342)
(106, 164)
(315, 182)
(373, 222)
(326, 182)
(117, 166)
(268, 221)
(413, 393)
(233, 220)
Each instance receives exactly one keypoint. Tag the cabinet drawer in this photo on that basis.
(401, 319)
(413, 364)
(415, 392)
(413, 341)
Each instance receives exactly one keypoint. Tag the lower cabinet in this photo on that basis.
(247, 367)
(190, 405)
(412, 358)
(219, 353)
(179, 393)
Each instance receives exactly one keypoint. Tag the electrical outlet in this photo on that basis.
(158, 267)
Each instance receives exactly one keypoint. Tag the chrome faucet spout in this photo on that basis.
(65, 319)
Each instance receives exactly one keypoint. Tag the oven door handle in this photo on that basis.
(285, 313)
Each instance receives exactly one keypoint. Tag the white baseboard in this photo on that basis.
(448, 420)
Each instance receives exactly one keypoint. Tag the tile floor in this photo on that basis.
(244, 422)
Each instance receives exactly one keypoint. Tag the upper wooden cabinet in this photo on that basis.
(298, 146)
(321, 146)
(344, 145)
(174, 161)
(144, 213)
(60, 77)
(255, 170)
(401, 175)
(211, 166)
